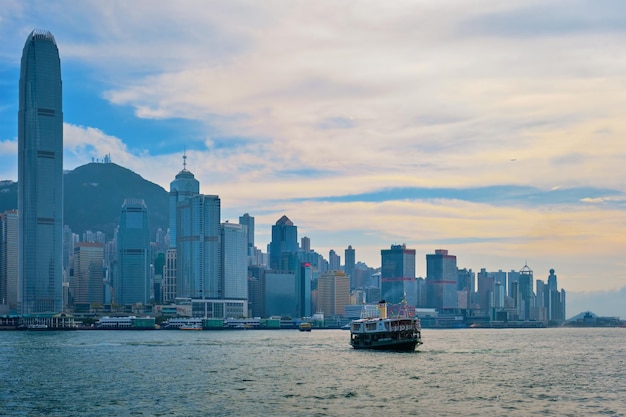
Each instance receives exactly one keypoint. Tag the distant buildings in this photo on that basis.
(40, 177)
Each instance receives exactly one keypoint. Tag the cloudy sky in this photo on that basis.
(492, 129)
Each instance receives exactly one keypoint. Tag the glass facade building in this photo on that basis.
(184, 186)
(198, 248)
(235, 265)
(132, 284)
(40, 177)
(87, 280)
(441, 280)
(284, 240)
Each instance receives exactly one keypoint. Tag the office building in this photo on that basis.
(8, 262)
(40, 177)
(199, 248)
(248, 221)
(168, 284)
(279, 298)
(334, 261)
(350, 262)
(398, 275)
(87, 281)
(284, 240)
(526, 291)
(441, 280)
(333, 293)
(184, 186)
(234, 261)
(132, 281)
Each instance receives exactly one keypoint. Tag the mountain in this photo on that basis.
(93, 196)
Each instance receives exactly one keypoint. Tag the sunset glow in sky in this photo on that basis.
(493, 129)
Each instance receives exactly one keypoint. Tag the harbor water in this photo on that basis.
(468, 372)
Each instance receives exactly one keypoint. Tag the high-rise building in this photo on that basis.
(334, 261)
(486, 289)
(305, 244)
(198, 248)
(40, 177)
(526, 291)
(279, 293)
(184, 186)
(333, 293)
(248, 221)
(132, 283)
(554, 299)
(87, 281)
(511, 277)
(284, 240)
(168, 284)
(8, 262)
(398, 275)
(350, 261)
(441, 280)
(234, 261)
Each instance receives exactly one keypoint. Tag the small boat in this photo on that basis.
(37, 326)
(191, 327)
(383, 333)
(305, 327)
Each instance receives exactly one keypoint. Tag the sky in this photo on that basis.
(492, 129)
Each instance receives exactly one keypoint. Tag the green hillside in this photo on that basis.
(93, 197)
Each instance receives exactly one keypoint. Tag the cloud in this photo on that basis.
(495, 130)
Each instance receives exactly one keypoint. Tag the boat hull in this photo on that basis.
(397, 346)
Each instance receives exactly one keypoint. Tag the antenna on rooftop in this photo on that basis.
(184, 158)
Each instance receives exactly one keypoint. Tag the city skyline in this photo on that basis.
(483, 132)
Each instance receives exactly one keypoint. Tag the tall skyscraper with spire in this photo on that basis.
(184, 186)
(40, 177)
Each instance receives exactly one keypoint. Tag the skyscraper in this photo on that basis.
(334, 261)
(132, 284)
(441, 280)
(8, 262)
(198, 247)
(284, 240)
(40, 177)
(184, 186)
(333, 293)
(398, 274)
(350, 260)
(248, 221)
(234, 264)
(526, 291)
(87, 284)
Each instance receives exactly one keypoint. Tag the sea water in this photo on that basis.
(470, 372)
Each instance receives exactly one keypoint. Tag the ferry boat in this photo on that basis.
(191, 327)
(305, 327)
(400, 333)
